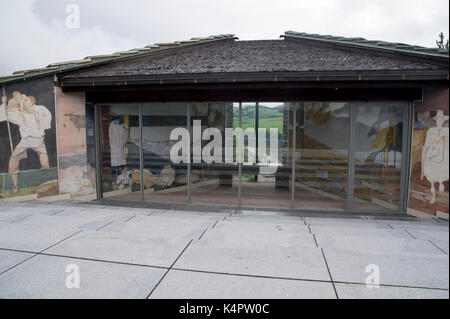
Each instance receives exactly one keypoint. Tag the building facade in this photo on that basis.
(328, 124)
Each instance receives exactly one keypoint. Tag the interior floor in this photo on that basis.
(254, 194)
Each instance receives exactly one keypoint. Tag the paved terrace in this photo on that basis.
(125, 252)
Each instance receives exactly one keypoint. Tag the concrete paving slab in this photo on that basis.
(346, 291)
(265, 218)
(250, 212)
(15, 213)
(439, 235)
(279, 225)
(194, 285)
(30, 238)
(122, 247)
(181, 215)
(379, 246)
(45, 277)
(401, 220)
(418, 225)
(67, 211)
(6, 205)
(11, 216)
(162, 227)
(9, 259)
(114, 226)
(247, 235)
(281, 221)
(287, 262)
(428, 272)
(269, 212)
(409, 252)
(442, 245)
(196, 214)
(381, 232)
(64, 222)
(143, 211)
(107, 212)
(345, 222)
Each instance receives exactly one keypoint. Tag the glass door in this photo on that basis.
(119, 147)
(322, 155)
(266, 169)
(214, 181)
(164, 181)
(378, 145)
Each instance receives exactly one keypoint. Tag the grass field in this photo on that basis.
(269, 117)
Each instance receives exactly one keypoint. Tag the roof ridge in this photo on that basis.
(378, 44)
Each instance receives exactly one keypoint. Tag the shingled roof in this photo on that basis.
(252, 56)
(91, 61)
(370, 44)
(310, 55)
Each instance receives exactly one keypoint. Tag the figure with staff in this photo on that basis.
(9, 133)
(32, 120)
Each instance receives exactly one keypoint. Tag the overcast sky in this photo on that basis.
(34, 33)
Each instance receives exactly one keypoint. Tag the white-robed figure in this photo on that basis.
(32, 120)
(118, 137)
(435, 155)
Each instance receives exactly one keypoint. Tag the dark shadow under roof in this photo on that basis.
(255, 56)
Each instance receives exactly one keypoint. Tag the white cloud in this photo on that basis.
(33, 31)
(30, 43)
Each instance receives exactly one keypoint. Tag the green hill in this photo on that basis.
(269, 117)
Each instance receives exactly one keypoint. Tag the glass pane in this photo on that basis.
(164, 180)
(213, 180)
(119, 145)
(378, 155)
(266, 171)
(322, 145)
(90, 144)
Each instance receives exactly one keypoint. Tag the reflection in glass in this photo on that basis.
(266, 171)
(214, 182)
(378, 156)
(322, 144)
(119, 145)
(320, 138)
(164, 180)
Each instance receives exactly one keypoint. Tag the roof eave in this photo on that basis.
(341, 76)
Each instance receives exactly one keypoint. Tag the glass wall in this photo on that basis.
(329, 156)
(214, 181)
(266, 171)
(165, 181)
(378, 155)
(119, 151)
(321, 159)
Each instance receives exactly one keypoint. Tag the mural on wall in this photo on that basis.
(27, 139)
(429, 188)
(76, 175)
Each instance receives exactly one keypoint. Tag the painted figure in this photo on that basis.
(388, 134)
(423, 120)
(32, 120)
(435, 157)
(420, 132)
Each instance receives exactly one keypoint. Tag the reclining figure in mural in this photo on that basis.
(32, 120)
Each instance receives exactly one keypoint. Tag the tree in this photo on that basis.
(441, 42)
